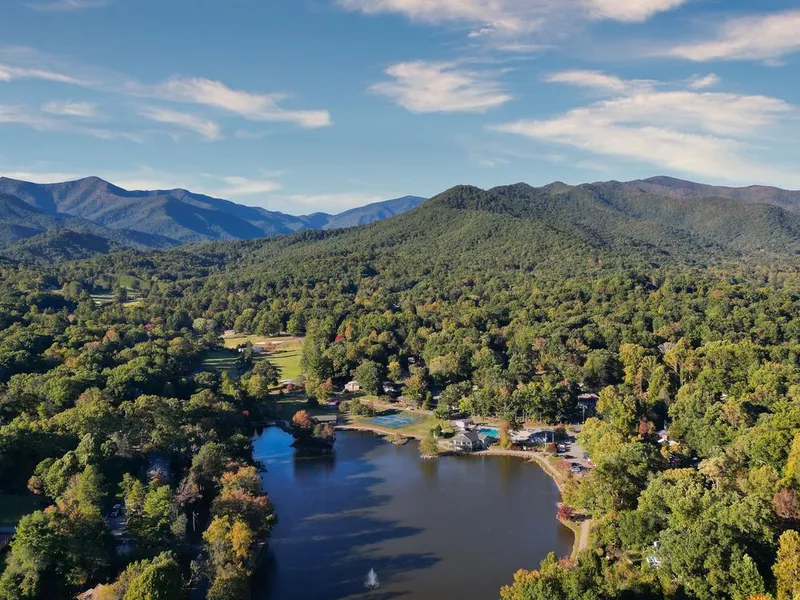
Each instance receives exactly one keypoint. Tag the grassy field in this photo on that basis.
(15, 506)
(288, 404)
(286, 357)
(106, 299)
(221, 360)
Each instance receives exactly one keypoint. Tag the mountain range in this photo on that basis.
(656, 217)
(157, 219)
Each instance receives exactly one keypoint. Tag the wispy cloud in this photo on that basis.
(252, 106)
(10, 73)
(245, 186)
(513, 17)
(600, 81)
(330, 202)
(67, 5)
(707, 134)
(701, 82)
(428, 87)
(758, 37)
(84, 110)
(24, 63)
(632, 11)
(40, 121)
(145, 177)
(203, 127)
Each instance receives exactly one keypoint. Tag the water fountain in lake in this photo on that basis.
(372, 583)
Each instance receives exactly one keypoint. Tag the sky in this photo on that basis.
(323, 105)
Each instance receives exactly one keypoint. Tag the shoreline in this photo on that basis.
(579, 529)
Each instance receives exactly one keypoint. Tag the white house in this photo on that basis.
(467, 441)
(352, 386)
(462, 424)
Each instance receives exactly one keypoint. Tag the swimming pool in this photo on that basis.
(490, 431)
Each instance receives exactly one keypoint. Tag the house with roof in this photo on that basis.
(325, 419)
(462, 424)
(352, 386)
(467, 441)
(588, 404)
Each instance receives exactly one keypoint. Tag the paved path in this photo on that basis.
(583, 541)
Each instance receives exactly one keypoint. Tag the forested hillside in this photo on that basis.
(681, 314)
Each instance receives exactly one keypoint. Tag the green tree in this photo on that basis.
(428, 446)
(787, 566)
(371, 375)
(156, 579)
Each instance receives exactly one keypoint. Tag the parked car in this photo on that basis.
(576, 468)
(562, 448)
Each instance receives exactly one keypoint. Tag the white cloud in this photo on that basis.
(761, 37)
(10, 73)
(39, 176)
(22, 115)
(630, 10)
(147, 178)
(203, 127)
(329, 202)
(24, 63)
(427, 87)
(255, 107)
(513, 16)
(708, 134)
(67, 5)
(244, 186)
(85, 110)
(599, 80)
(701, 82)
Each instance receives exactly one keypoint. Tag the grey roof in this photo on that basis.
(325, 418)
(470, 436)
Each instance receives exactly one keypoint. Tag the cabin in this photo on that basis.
(467, 441)
(352, 386)
(543, 437)
(462, 424)
(325, 419)
(588, 404)
(159, 467)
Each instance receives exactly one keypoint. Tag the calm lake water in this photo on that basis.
(457, 527)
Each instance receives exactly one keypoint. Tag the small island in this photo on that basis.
(312, 435)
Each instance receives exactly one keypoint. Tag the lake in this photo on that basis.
(457, 527)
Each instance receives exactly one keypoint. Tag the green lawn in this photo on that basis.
(285, 406)
(286, 358)
(288, 362)
(221, 360)
(106, 299)
(15, 506)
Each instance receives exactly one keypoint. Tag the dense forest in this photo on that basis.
(682, 314)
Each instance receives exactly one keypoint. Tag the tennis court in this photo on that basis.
(393, 421)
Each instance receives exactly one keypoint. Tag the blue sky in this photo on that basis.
(309, 105)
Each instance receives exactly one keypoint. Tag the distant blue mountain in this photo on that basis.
(159, 218)
(364, 215)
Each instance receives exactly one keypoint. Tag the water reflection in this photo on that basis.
(457, 527)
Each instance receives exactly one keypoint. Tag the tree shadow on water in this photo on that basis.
(331, 529)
